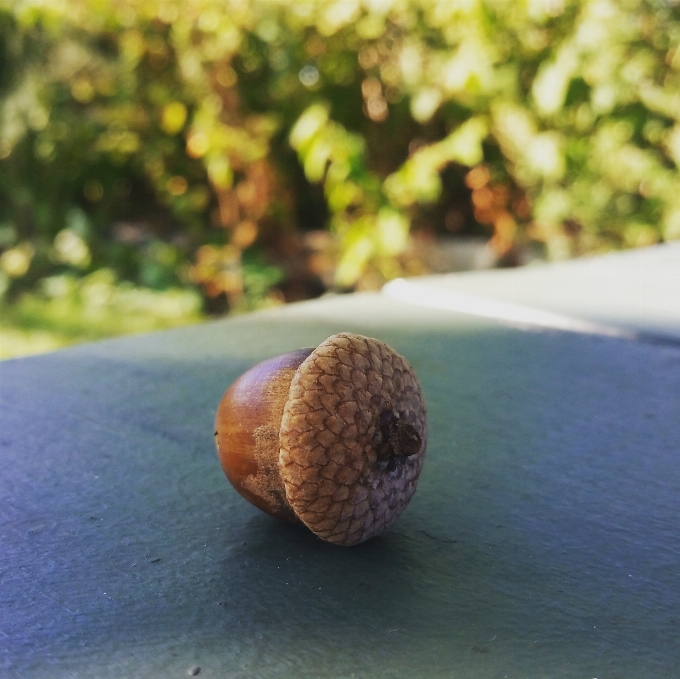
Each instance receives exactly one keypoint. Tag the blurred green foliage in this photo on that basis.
(260, 150)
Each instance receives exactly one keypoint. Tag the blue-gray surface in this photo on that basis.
(542, 542)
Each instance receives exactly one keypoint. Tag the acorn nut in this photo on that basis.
(333, 437)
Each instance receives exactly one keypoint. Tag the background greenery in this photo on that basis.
(165, 159)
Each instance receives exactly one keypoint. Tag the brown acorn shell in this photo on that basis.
(330, 437)
(247, 426)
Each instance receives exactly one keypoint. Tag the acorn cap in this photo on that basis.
(353, 438)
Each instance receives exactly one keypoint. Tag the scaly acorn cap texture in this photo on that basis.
(352, 439)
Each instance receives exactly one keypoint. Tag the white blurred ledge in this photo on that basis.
(624, 294)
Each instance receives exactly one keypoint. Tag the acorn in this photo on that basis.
(333, 437)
